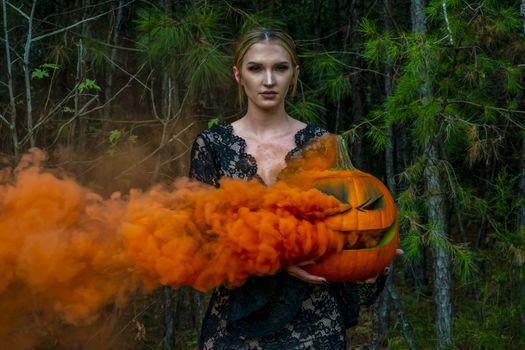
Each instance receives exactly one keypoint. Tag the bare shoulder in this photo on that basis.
(297, 125)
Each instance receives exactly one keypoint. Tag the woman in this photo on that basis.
(292, 309)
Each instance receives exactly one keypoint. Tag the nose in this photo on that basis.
(269, 79)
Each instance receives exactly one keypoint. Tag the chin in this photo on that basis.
(268, 105)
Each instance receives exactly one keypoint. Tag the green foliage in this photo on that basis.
(309, 111)
(212, 122)
(503, 206)
(161, 36)
(133, 138)
(506, 19)
(192, 339)
(257, 19)
(116, 137)
(88, 84)
(330, 74)
(321, 64)
(208, 67)
(43, 70)
(377, 134)
(379, 47)
(39, 74)
(188, 45)
(96, 52)
(113, 138)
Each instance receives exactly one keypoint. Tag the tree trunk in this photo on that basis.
(113, 39)
(356, 83)
(437, 216)
(78, 79)
(338, 118)
(82, 121)
(382, 309)
(522, 12)
(10, 87)
(521, 212)
(168, 341)
(405, 326)
(521, 194)
(27, 76)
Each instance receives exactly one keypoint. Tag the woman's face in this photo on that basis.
(265, 74)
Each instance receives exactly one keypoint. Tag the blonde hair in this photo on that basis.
(258, 35)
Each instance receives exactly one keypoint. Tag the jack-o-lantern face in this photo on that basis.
(369, 223)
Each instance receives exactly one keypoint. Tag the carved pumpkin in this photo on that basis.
(369, 220)
(369, 223)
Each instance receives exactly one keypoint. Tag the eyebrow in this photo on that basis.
(283, 62)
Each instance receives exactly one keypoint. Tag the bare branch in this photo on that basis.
(124, 87)
(174, 137)
(82, 111)
(18, 10)
(5, 120)
(51, 112)
(78, 23)
(450, 37)
(74, 117)
(103, 43)
(178, 156)
(134, 76)
(498, 109)
(55, 109)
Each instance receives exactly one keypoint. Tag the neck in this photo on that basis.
(263, 121)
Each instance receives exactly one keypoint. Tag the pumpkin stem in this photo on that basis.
(343, 158)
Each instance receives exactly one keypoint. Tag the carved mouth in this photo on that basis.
(356, 240)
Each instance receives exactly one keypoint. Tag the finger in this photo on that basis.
(305, 276)
(400, 251)
(308, 262)
(371, 280)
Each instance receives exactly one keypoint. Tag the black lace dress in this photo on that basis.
(269, 312)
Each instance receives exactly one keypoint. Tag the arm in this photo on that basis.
(202, 162)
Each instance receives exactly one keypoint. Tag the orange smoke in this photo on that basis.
(65, 250)
(202, 237)
(59, 242)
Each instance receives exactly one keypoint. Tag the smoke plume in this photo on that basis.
(67, 252)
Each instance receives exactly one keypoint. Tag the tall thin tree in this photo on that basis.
(437, 215)
(27, 75)
(10, 87)
(521, 213)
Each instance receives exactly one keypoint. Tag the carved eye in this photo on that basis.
(334, 189)
(372, 204)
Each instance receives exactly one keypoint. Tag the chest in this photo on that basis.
(245, 158)
(270, 155)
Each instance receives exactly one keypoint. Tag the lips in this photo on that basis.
(268, 94)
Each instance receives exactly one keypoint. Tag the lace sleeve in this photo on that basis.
(202, 162)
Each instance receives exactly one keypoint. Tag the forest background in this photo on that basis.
(428, 95)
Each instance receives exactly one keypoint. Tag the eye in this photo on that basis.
(254, 68)
(282, 67)
(372, 204)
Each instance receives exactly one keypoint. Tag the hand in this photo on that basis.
(298, 272)
(386, 271)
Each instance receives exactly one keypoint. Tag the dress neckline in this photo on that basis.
(251, 158)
